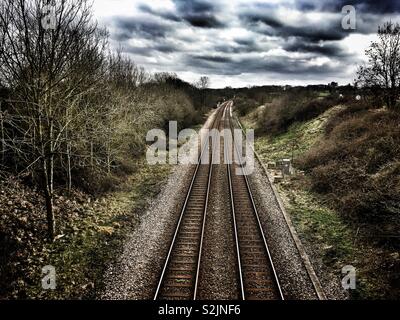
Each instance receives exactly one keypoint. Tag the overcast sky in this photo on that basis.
(245, 42)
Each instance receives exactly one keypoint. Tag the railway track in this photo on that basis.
(179, 278)
(180, 275)
(258, 277)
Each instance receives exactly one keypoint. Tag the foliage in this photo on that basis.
(293, 107)
(72, 113)
(381, 76)
(357, 164)
(91, 233)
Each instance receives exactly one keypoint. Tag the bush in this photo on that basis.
(358, 164)
(293, 107)
(352, 108)
(244, 105)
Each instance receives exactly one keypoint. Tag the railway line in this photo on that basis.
(256, 276)
(179, 278)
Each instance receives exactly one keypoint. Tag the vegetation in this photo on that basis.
(73, 122)
(381, 76)
(345, 202)
(292, 143)
(344, 198)
(357, 164)
(343, 237)
(72, 113)
(295, 106)
(93, 231)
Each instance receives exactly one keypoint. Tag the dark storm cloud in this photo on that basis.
(152, 49)
(329, 50)
(128, 28)
(268, 24)
(273, 64)
(142, 51)
(307, 46)
(162, 14)
(263, 19)
(327, 32)
(363, 6)
(236, 49)
(199, 13)
(267, 19)
(245, 42)
(166, 48)
(208, 58)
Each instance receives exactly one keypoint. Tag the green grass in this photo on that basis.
(323, 94)
(314, 221)
(333, 238)
(318, 224)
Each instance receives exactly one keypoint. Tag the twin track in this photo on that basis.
(257, 278)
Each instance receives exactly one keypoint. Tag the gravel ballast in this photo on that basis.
(300, 270)
(293, 277)
(218, 279)
(136, 273)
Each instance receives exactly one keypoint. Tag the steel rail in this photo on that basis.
(305, 260)
(177, 228)
(277, 283)
(228, 159)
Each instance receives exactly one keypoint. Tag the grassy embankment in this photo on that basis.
(319, 224)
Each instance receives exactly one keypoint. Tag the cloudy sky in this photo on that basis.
(245, 42)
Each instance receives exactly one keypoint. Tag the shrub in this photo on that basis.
(244, 105)
(352, 108)
(293, 107)
(357, 164)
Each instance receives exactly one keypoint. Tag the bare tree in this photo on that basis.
(3, 143)
(49, 71)
(382, 73)
(203, 84)
(71, 107)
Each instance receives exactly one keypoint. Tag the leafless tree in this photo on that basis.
(48, 70)
(203, 84)
(72, 106)
(2, 133)
(382, 73)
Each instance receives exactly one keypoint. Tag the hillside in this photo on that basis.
(344, 195)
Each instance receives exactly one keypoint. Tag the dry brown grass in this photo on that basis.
(358, 164)
(293, 107)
